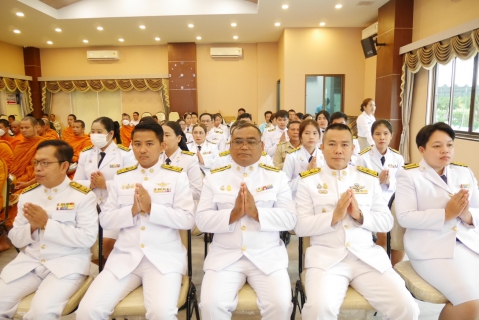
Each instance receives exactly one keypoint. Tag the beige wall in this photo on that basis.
(134, 60)
(12, 59)
(433, 16)
(426, 15)
(322, 51)
(370, 77)
(227, 84)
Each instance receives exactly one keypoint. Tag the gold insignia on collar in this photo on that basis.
(30, 188)
(220, 169)
(368, 171)
(365, 150)
(79, 187)
(264, 166)
(460, 164)
(172, 168)
(127, 169)
(310, 172)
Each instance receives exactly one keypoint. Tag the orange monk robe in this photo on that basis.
(78, 144)
(125, 134)
(16, 140)
(67, 133)
(50, 134)
(6, 153)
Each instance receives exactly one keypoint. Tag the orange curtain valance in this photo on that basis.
(100, 85)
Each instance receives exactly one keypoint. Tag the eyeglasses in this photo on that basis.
(250, 143)
(43, 164)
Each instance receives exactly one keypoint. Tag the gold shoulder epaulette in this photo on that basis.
(309, 172)
(365, 150)
(87, 148)
(411, 166)
(264, 153)
(293, 150)
(224, 153)
(211, 142)
(126, 169)
(220, 169)
(188, 152)
(394, 150)
(122, 147)
(355, 137)
(79, 187)
(172, 168)
(460, 164)
(271, 168)
(30, 188)
(368, 171)
(271, 130)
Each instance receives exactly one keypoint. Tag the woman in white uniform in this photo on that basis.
(206, 151)
(437, 201)
(306, 157)
(385, 160)
(177, 154)
(189, 126)
(322, 118)
(98, 164)
(188, 136)
(364, 122)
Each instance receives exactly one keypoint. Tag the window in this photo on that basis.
(455, 98)
(324, 92)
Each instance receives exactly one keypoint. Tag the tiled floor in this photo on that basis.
(428, 311)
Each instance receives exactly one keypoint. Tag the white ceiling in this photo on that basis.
(169, 19)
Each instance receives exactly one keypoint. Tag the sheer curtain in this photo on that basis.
(3, 102)
(407, 85)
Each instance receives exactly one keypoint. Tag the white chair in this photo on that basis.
(173, 116)
(161, 116)
(146, 114)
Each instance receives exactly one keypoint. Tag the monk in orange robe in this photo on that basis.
(4, 128)
(80, 140)
(6, 153)
(67, 133)
(4, 243)
(17, 135)
(44, 131)
(125, 130)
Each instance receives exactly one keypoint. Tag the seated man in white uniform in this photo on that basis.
(57, 223)
(278, 134)
(213, 134)
(339, 206)
(246, 204)
(149, 203)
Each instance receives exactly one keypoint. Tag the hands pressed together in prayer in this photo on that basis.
(97, 180)
(36, 216)
(458, 206)
(384, 177)
(244, 205)
(141, 200)
(347, 204)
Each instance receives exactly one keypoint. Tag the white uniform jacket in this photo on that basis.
(63, 247)
(421, 199)
(154, 235)
(371, 158)
(189, 162)
(258, 241)
(209, 152)
(225, 159)
(297, 161)
(117, 157)
(364, 123)
(357, 149)
(189, 137)
(217, 136)
(318, 193)
(271, 139)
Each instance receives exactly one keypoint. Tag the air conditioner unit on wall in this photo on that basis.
(370, 31)
(103, 55)
(226, 52)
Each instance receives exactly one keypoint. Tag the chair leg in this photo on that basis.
(293, 300)
(302, 295)
(192, 303)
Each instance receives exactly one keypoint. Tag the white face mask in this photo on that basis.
(99, 140)
(10, 132)
(125, 122)
(2, 132)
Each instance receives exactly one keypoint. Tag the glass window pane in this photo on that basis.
(333, 94)
(443, 92)
(314, 94)
(462, 94)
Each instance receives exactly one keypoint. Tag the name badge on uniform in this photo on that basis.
(359, 189)
(115, 165)
(322, 189)
(270, 186)
(66, 206)
(392, 165)
(162, 190)
(465, 186)
(206, 152)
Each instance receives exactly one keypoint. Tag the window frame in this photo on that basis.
(343, 86)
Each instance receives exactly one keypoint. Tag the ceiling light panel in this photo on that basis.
(338, 6)
(58, 30)
(99, 28)
(277, 24)
(142, 27)
(20, 14)
(16, 31)
(191, 25)
(233, 24)
(285, 6)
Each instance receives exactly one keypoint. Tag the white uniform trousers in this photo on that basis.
(219, 291)
(386, 292)
(160, 291)
(52, 294)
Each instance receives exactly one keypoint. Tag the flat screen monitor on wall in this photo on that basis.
(369, 47)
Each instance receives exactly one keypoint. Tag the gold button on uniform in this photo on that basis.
(142, 245)
(142, 213)
(44, 246)
(251, 168)
(142, 170)
(146, 178)
(151, 170)
(243, 228)
(346, 227)
(245, 174)
(42, 261)
(348, 244)
(143, 228)
(49, 197)
(243, 248)
(455, 228)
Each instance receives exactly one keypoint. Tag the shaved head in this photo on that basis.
(32, 120)
(15, 126)
(28, 127)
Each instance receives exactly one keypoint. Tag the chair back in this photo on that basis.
(173, 116)
(146, 114)
(161, 116)
(303, 244)
(397, 232)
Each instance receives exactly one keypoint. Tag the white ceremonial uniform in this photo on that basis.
(189, 162)
(189, 137)
(209, 152)
(116, 157)
(56, 259)
(217, 136)
(189, 129)
(357, 149)
(246, 249)
(134, 122)
(371, 159)
(297, 161)
(444, 253)
(149, 250)
(271, 139)
(344, 254)
(364, 123)
(225, 159)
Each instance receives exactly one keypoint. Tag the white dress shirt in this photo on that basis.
(272, 137)
(209, 152)
(364, 123)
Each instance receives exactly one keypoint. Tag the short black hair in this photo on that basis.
(244, 116)
(11, 117)
(205, 114)
(383, 122)
(244, 124)
(194, 113)
(291, 110)
(80, 122)
(423, 136)
(300, 115)
(338, 115)
(217, 115)
(63, 152)
(149, 125)
(241, 109)
(154, 117)
(339, 127)
(40, 122)
(136, 113)
(325, 114)
(5, 123)
(282, 114)
(109, 126)
(72, 115)
(293, 122)
(267, 112)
